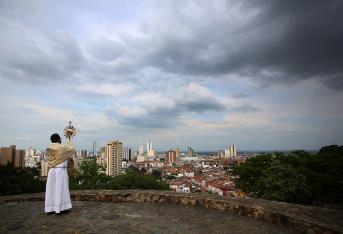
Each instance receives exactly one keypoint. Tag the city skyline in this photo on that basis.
(179, 73)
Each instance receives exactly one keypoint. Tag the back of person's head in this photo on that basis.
(55, 138)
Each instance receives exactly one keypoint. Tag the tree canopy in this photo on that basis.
(90, 176)
(297, 177)
(14, 180)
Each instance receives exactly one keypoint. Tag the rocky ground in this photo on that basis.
(101, 217)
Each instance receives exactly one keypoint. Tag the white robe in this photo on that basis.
(57, 196)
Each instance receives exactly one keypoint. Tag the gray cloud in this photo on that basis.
(30, 56)
(202, 105)
(278, 42)
(239, 95)
(244, 108)
(158, 119)
(266, 40)
(165, 110)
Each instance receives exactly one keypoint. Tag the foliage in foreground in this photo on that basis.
(90, 176)
(19, 180)
(298, 177)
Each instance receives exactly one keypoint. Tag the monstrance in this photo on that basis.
(69, 131)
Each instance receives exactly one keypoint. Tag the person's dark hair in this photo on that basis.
(55, 138)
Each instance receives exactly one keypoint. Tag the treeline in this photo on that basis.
(298, 177)
(15, 180)
(90, 176)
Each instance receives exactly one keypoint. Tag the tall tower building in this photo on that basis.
(128, 153)
(12, 155)
(149, 151)
(170, 156)
(101, 159)
(82, 153)
(7, 154)
(114, 155)
(148, 146)
(227, 153)
(44, 168)
(190, 152)
(19, 158)
(94, 149)
(140, 158)
(177, 152)
(233, 151)
(141, 150)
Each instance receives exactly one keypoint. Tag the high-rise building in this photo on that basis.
(140, 158)
(170, 156)
(221, 154)
(44, 168)
(82, 153)
(94, 149)
(177, 152)
(19, 158)
(148, 146)
(101, 159)
(114, 156)
(233, 151)
(30, 152)
(13, 156)
(227, 153)
(190, 152)
(128, 153)
(149, 151)
(141, 150)
(7, 154)
(32, 157)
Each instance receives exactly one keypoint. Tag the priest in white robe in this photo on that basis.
(57, 196)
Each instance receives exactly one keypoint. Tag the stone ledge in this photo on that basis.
(304, 219)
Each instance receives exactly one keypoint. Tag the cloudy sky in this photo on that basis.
(265, 75)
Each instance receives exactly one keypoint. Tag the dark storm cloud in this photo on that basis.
(290, 39)
(272, 41)
(307, 42)
(282, 41)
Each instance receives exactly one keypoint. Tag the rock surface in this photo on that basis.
(101, 217)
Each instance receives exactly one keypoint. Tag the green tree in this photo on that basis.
(251, 172)
(90, 176)
(170, 177)
(131, 168)
(157, 174)
(15, 180)
(298, 177)
(282, 182)
(325, 175)
(142, 170)
(135, 180)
